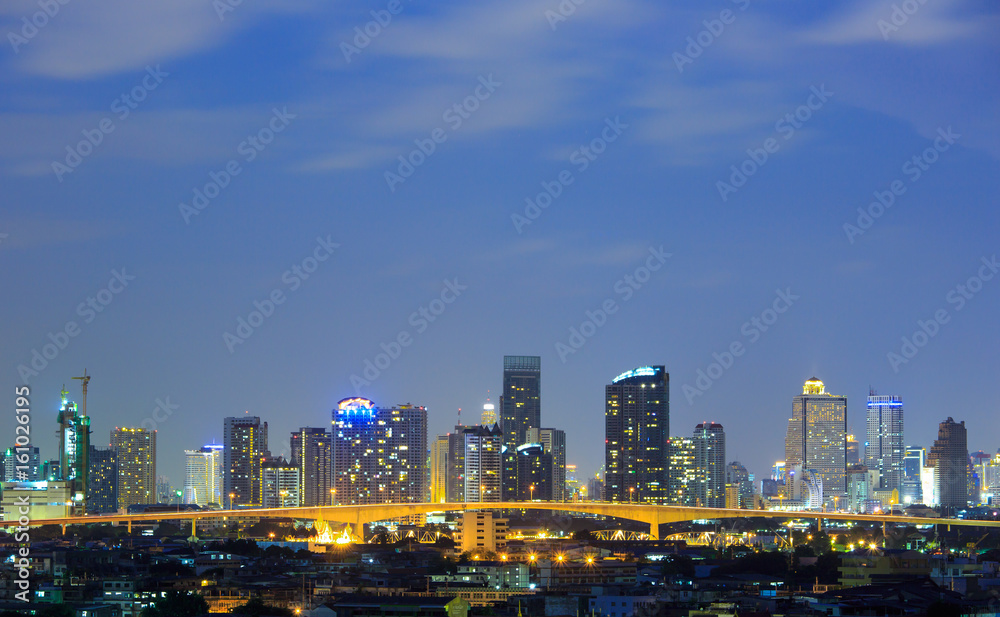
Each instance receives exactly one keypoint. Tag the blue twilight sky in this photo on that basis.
(636, 114)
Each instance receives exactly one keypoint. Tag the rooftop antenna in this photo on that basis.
(460, 416)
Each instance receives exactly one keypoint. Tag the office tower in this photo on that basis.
(520, 403)
(245, 441)
(859, 489)
(482, 463)
(311, 450)
(379, 454)
(534, 473)
(102, 492)
(884, 449)
(853, 451)
(574, 488)
(203, 476)
(816, 439)
(914, 462)
(455, 482)
(520, 409)
(12, 469)
(991, 480)
(438, 466)
(684, 475)
(636, 425)
(165, 491)
(738, 476)
(595, 489)
(554, 442)
(279, 483)
(710, 459)
(489, 417)
(135, 449)
(950, 459)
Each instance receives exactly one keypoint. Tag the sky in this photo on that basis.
(221, 208)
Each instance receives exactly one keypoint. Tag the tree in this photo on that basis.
(166, 529)
(582, 535)
(257, 608)
(178, 604)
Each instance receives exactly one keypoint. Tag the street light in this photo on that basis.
(333, 496)
(232, 496)
(631, 490)
(531, 490)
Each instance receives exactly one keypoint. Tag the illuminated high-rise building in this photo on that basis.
(554, 442)
(949, 457)
(684, 476)
(438, 468)
(245, 441)
(710, 459)
(534, 473)
(311, 455)
(817, 438)
(13, 470)
(636, 425)
(74, 448)
(483, 447)
(489, 417)
(520, 409)
(884, 450)
(135, 449)
(379, 454)
(911, 489)
(279, 483)
(853, 451)
(102, 493)
(203, 475)
(455, 481)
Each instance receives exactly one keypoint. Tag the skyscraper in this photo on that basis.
(520, 409)
(520, 403)
(534, 473)
(74, 448)
(684, 476)
(482, 474)
(489, 417)
(30, 470)
(311, 449)
(135, 449)
(554, 442)
(853, 451)
(280, 483)
(636, 425)
(817, 438)
(245, 441)
(102, 493)
(379, 455)
(203, 475)
(455, 481)
(884, 449)
(913, 465)
(950, 459)
(438, 467)
(710, 459)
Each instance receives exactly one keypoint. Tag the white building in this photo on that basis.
(203, 478)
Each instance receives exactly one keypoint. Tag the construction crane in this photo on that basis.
(972, 546)
(86, 380)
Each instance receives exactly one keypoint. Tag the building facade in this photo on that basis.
(311, 455)
(102, 494)
(636, 425)
(534, 473)
(203, 475)
(483, 463)
(280, 483)
(884, 450)
(135, 449)
(816, 439)
(438, 470)
(949, 457)
(554, 442)
(245, 441)
(710, 460)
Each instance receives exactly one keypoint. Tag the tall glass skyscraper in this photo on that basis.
(884, 450)
(950, 459)
(203, 477)
(636, 429)
(311, 455)
(135, 449)
(817, 438)
(245, 441)
(520, 409)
